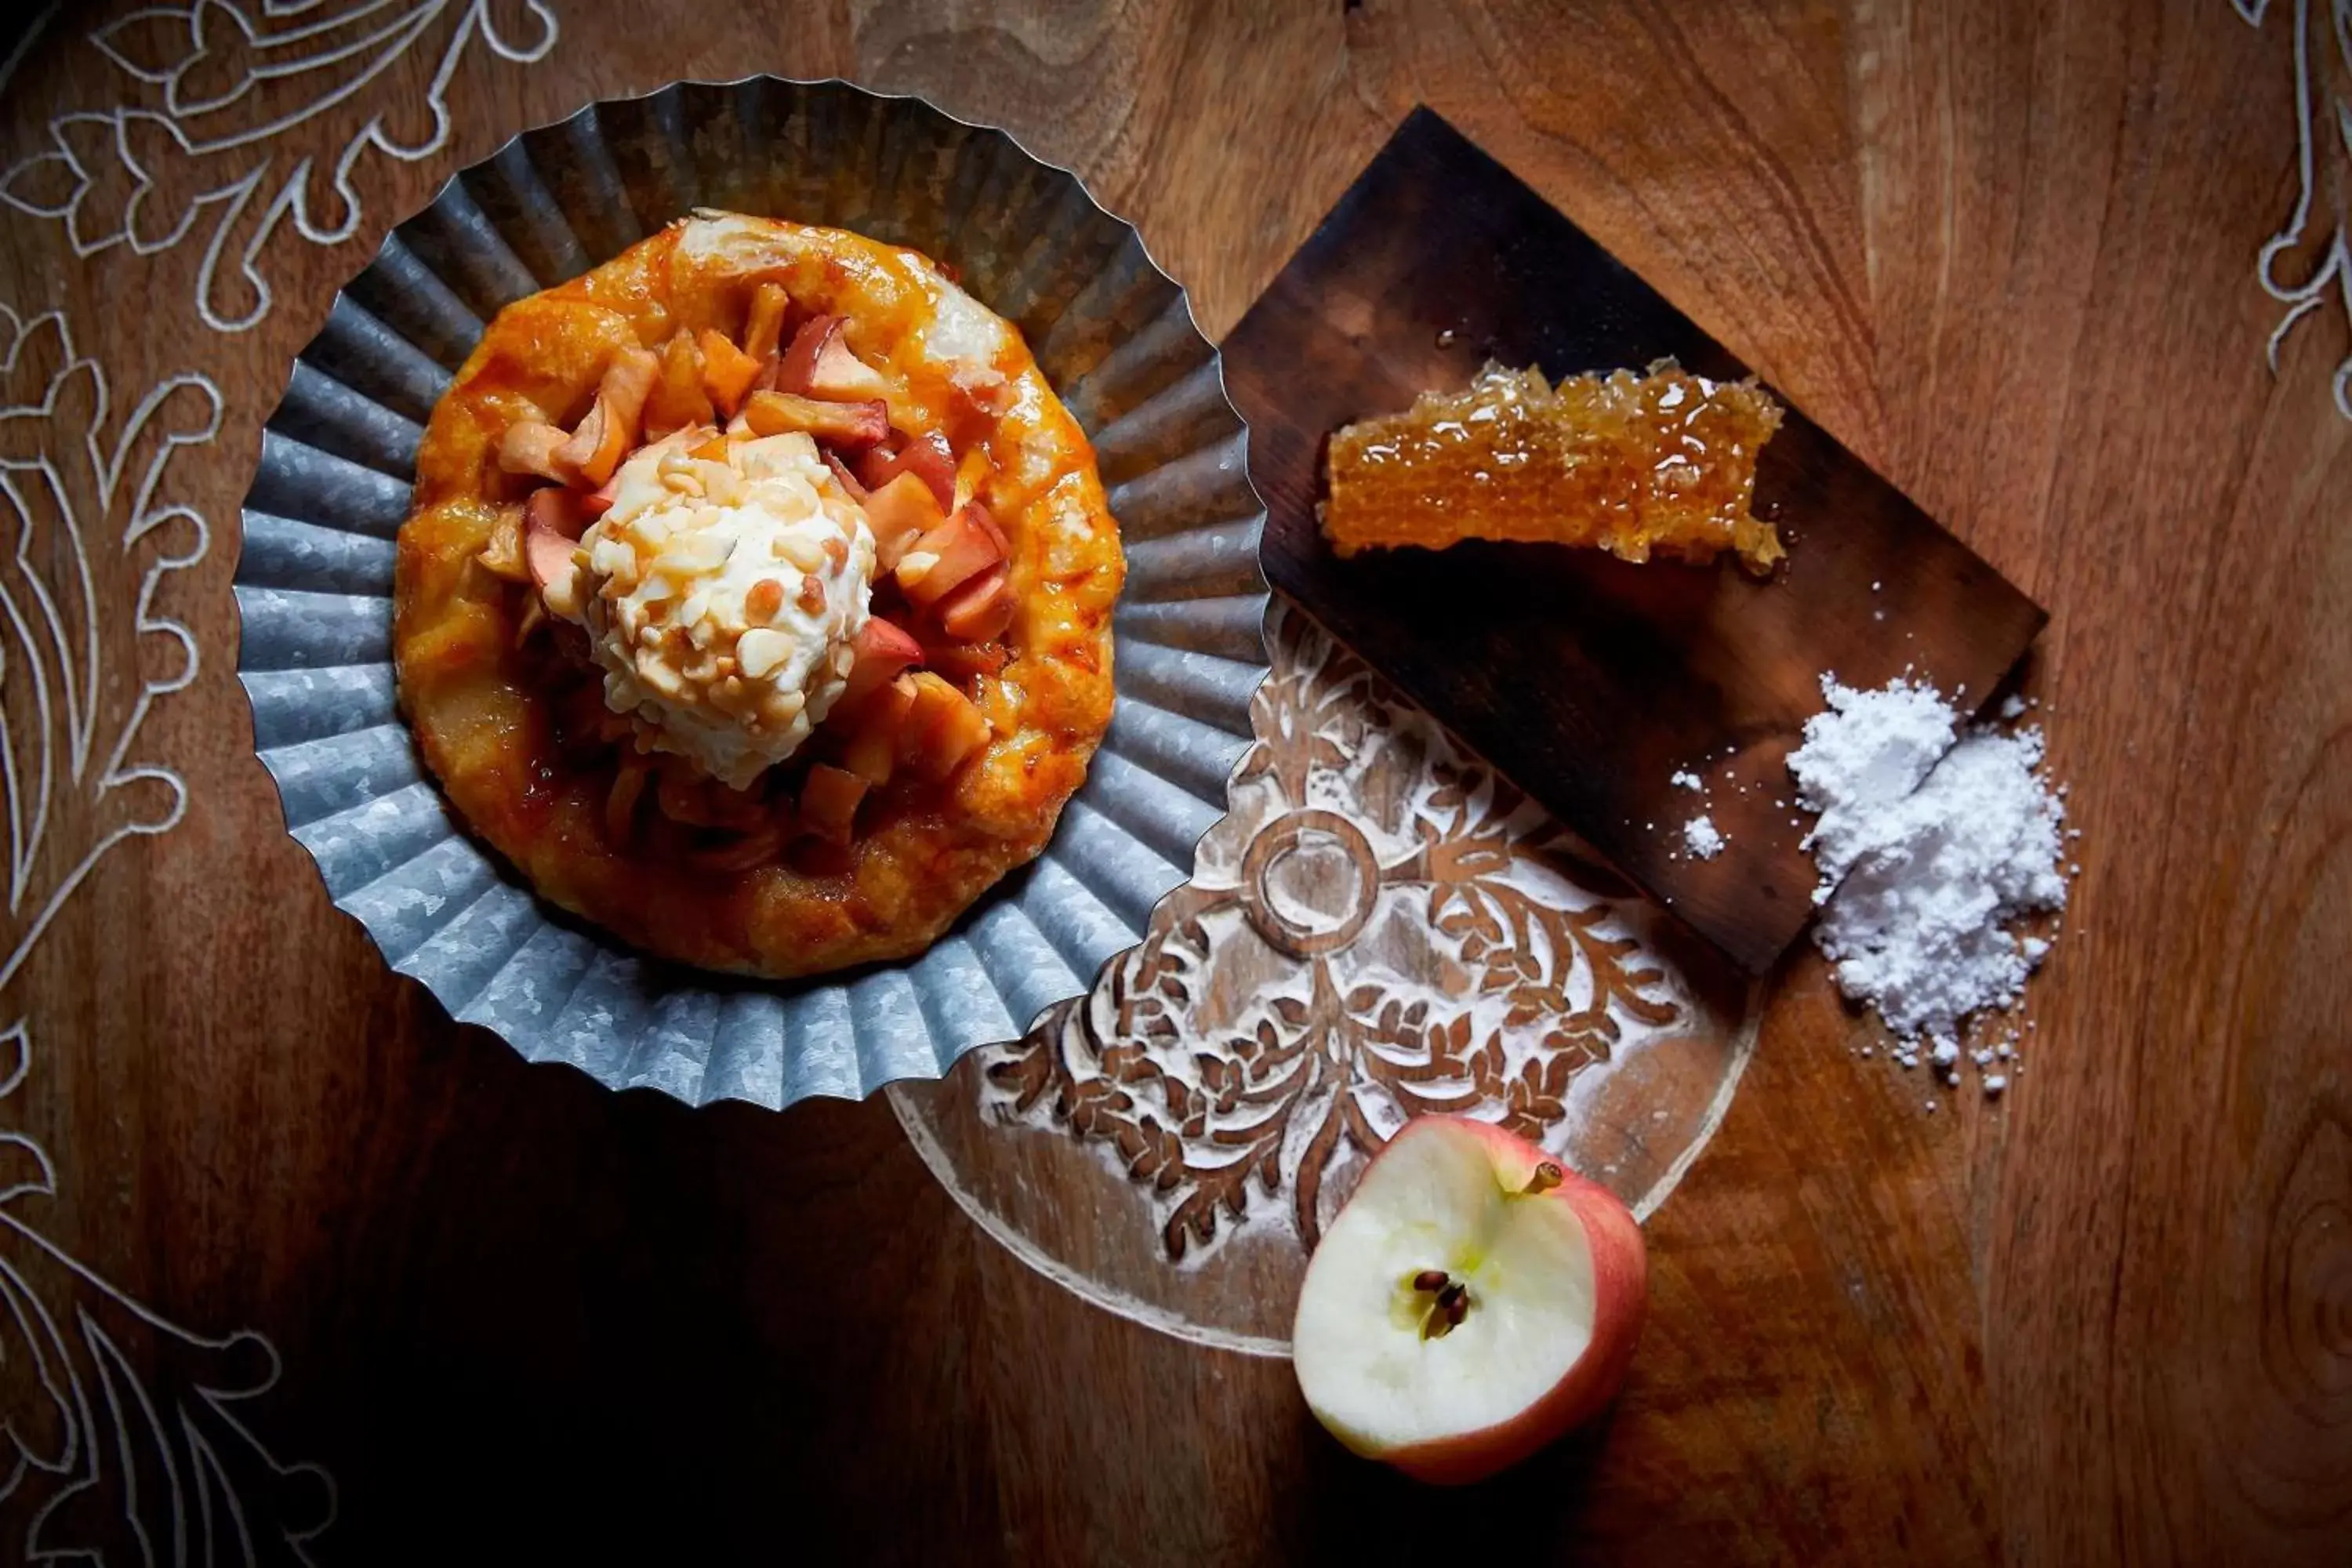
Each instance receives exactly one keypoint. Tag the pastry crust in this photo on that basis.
(487, 698)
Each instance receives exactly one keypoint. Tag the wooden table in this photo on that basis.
(481, 1310)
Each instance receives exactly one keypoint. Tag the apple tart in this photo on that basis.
(756, 598)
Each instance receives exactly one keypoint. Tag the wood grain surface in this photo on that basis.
(2007, 253)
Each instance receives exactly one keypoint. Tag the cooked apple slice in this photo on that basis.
(878, 653)
(799, 361)
(942, 729)
(821, 364)
(900, 513)
(727, 371)
(503, 555)
(982, 608)
(839, 373)
(927, 456)
(595, 503)
(763, 330)
(959, 662)
(829, 802)
(595, 446)
(629, 380)
(959, 549)
(679, 400)
(1472, 1300)
(871, 752)
(842, 476)
(970, 474)
(840, 423)
(552, 524)
(529, 447)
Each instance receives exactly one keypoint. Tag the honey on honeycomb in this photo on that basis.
(1664, 462)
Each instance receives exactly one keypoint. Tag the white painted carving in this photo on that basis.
(121, 1426)
(243, 119)
(124, 1429)
(84, 651)
(2309, 259)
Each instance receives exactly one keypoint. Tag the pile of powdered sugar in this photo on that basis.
(1931, 851)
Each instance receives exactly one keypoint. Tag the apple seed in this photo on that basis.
(1548, 1176)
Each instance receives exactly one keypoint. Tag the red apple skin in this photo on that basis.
(1620, 1294)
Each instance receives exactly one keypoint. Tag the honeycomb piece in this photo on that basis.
(1660, 463)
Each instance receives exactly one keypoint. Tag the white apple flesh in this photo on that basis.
(1471, 1302)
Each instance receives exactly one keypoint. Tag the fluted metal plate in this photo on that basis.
(1113, 334)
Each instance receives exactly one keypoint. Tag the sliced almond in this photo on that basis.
(796, 546)
(657, 674)
(761, 650)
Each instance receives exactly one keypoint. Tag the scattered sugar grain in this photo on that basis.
(1932, 841)
(1701, 836)
(1686, 780)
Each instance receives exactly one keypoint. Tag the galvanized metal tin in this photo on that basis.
(1112, 333)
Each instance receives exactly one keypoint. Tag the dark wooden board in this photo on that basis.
(1589, 681)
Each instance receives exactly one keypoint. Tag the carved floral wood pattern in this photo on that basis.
(240, 114)
(120, 1423)
(1383, 926)
(121, 1426)
(2310, 256)
(1330, 1051)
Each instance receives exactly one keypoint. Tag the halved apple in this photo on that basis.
(1474, 1301)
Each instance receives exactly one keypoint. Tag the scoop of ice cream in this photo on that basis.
(720, 595)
